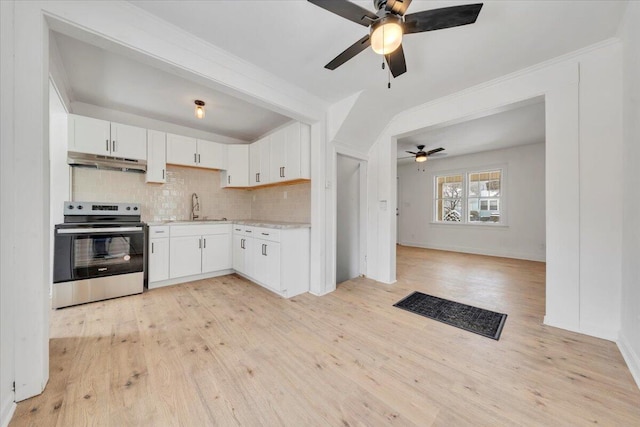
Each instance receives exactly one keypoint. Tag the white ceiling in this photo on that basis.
(106, 79)
(517, 126)
(294, 40)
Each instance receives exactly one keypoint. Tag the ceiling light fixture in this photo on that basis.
(386, 34)
(421, 157)
(199, 108)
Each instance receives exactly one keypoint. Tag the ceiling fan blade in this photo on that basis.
(398, 6)
(438, 19)
(349, 53)
(396, 62)
(435, 150)
(347, 10)
(411, 152)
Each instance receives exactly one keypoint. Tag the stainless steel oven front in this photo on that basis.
(97, 260)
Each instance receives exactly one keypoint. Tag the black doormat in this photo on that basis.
(473, 319)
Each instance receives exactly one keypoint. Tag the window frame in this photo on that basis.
(466, 174)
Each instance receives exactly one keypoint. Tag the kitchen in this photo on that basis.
(214, 204)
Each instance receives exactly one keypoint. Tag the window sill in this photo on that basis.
(484, 225)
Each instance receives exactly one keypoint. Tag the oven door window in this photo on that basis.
(106, 255)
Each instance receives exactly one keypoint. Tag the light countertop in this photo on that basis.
(250, 222)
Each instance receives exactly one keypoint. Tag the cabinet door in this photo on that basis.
(185, 256)
(239, 253)
(158, 260)
(87, 135)
(259, 260)
(265, 153)
(216, 252)
(156, 156)
(254, 164)
(272, 265)
(212, 155)
(237, 174)
(291, 169)
(129, 142)
(181, 150)
(277, 157)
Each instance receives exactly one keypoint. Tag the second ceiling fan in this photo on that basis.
(389, 24)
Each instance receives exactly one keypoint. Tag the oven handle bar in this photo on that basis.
(98, 230)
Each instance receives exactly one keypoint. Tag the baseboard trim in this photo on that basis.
(590, 331)
(630, 357)
(7, 410)
(477, 251)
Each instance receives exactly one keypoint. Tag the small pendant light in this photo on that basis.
(199, 108)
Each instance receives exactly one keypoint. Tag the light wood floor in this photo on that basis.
(226, 352)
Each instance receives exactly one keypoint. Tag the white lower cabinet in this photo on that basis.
(158, 254)
(277, 259)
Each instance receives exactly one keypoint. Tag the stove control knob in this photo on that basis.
(128, 208)
(70, 206)
(79, 206)
(135, 208)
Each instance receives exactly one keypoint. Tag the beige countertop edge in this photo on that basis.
(254, 223)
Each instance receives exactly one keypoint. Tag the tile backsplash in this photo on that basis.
(173, 199)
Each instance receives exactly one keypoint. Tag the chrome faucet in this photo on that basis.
(195, 206)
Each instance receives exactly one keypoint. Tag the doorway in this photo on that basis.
(350, 183)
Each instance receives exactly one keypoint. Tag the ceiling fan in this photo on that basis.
(421, 155)
(389, 23)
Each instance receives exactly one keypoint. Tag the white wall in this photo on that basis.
(348, 219)
(60, 185)
(524, 234)
(629, 340)
(582, 94)
(7, 290)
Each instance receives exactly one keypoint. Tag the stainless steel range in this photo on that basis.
(99, 253)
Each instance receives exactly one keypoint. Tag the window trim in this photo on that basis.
(466, 172)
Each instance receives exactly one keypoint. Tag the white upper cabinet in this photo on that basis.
(129, 142)
(156, 156)
(183, 150)
(259, 154)
(94, 136)
(290, 153)
(88, 135)
(211, 155)
(237, 173)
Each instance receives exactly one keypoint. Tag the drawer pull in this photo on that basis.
(265, 234)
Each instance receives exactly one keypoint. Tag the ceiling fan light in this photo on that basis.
(387, 35)
(421, 157)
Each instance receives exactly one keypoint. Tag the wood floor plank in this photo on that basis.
(226, 352)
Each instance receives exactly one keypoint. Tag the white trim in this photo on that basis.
(609, 335)
(350, 152)
(477, 251)
(630, 356)
(7, 410)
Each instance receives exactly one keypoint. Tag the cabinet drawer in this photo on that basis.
(158, 231)
(248, 230)
(199, 230)
(272, 234)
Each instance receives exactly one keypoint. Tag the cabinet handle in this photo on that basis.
(199, 243)
(264, 250)
(195, 158)
(229, 179)
(258, 175)
(159, 231)
(113, 148)
(265, 234)
(198, 158)
(248, 231)
(283, 171)
(238, 229)
(107, 146)
(204, 243)
(151, 247)
(241, 243)
(162, 173)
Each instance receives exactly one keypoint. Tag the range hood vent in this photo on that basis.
(106, 163)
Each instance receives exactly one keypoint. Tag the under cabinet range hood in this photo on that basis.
(106, 162)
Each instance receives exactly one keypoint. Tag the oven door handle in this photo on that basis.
(98, 230)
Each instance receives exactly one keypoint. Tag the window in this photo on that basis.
(473, 197)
